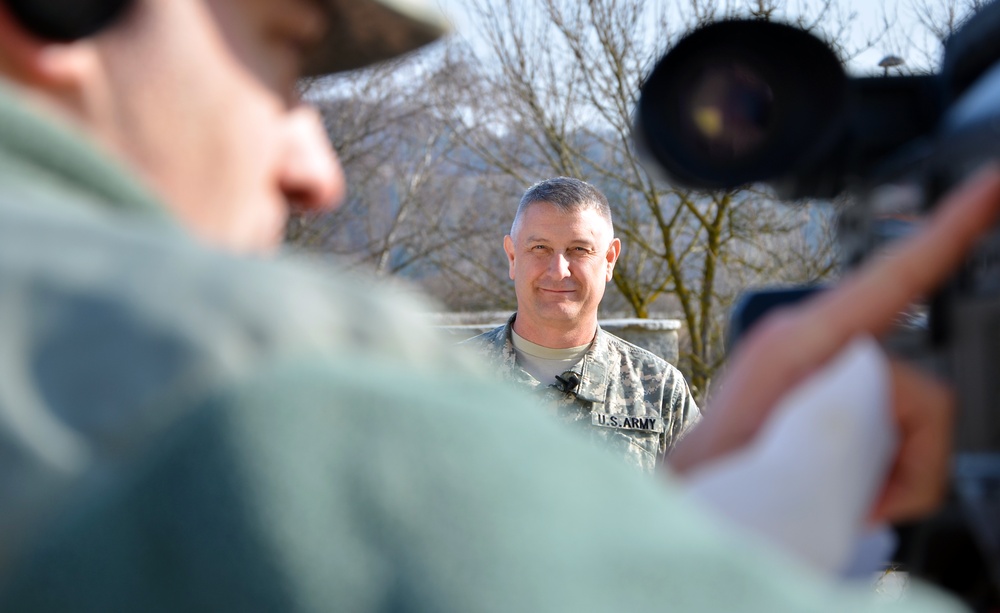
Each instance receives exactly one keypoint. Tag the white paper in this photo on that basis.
(809, 480)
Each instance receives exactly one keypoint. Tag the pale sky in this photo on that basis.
(907, 39)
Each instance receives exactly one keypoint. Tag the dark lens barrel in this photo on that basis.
(737, 102)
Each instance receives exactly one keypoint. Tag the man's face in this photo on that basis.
(560, 263)
(200, 98)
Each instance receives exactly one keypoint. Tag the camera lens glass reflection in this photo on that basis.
(730, 110)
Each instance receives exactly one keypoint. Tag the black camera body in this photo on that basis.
(740, 102)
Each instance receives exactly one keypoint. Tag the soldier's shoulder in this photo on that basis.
(144, 283)
(635, 353)
(491, 339)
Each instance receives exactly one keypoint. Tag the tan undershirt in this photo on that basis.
(544, 363)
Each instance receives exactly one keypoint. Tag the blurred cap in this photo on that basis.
(363, 32)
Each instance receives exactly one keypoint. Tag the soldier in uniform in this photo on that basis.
(562, 252)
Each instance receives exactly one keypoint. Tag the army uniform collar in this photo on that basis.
(593, 370)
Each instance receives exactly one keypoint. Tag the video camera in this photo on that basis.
(739, 102)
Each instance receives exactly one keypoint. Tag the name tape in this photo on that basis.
(627, 422)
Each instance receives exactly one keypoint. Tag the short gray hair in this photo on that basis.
(565, 193)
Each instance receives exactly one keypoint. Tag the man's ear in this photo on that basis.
(508, 247)
(41, 63)
(614, 250)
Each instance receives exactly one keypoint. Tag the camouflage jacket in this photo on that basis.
(627, 397)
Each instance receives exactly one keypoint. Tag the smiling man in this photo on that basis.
(562, 253)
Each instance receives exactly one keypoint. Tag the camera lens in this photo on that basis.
(738, 102)
(730, 110)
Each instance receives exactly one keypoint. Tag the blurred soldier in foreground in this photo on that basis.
(562, 253)
(182, 429)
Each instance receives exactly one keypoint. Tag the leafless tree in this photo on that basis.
(419, 206)
(920, 48)
(942, 18)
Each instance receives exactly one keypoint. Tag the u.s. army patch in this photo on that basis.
(627, 422)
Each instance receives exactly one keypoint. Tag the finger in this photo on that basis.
(868, 300)
(924, 410)
(791, 343)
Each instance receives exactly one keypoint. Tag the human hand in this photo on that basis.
(793, 342)
(923, 409)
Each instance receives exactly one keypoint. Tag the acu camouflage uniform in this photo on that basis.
(628, 398)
